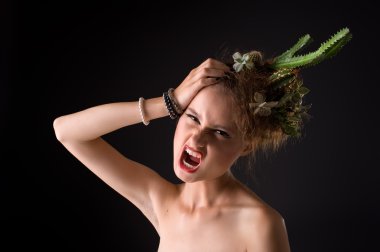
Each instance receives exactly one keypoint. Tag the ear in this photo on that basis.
(247, 148)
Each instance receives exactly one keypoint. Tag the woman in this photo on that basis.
(211, 205)
(224, 114)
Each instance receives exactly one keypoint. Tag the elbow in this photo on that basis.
(58, 129)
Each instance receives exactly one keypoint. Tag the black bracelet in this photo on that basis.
(174, 102)
(172, 113)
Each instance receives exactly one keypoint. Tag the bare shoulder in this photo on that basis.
(262, 227)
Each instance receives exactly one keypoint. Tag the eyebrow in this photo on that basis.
(221, 127)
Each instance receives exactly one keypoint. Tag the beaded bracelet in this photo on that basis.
(169, 106)
(141, 101)
(174, 101)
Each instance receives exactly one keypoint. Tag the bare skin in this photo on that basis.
(211, 210)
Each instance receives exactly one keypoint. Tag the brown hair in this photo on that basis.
(262, 132)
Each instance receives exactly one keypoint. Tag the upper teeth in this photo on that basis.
(192, 153)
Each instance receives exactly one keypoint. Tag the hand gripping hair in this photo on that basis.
(279, 99)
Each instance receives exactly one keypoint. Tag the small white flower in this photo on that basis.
(241, 61)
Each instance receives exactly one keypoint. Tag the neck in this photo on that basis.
(207, 193)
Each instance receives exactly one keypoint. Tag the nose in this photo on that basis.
(198, 139)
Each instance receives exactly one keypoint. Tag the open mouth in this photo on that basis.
(190, 160)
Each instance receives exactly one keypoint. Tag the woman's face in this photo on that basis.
(206, 140)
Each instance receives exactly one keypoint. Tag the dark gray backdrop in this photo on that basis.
(62, 57)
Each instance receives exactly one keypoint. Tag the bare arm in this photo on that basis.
(80, 133)
(91, 123)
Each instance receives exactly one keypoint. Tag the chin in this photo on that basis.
(186, 178)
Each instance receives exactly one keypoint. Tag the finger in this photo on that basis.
(204, 82)
(209, 72)
(213, 63)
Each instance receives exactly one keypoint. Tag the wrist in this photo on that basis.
(154, 108)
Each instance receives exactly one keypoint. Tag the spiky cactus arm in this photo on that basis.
(302, 42)
(330, 51)
(327, 50)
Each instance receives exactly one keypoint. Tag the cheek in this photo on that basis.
(227, 153)
(179, 134)
(180, 128)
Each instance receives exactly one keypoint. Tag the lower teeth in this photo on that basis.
(188, 165)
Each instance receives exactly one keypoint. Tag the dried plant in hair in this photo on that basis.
(269, 93)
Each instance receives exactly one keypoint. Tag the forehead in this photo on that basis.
(214, 105)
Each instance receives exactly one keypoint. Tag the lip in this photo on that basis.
(183, 166)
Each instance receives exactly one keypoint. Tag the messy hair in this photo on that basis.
(264, 133)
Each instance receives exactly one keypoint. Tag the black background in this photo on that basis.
(59, 57)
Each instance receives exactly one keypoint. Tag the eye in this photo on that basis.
(193, 118)
(222, 133)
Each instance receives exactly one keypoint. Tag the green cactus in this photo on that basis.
(289, 110)
(283, 100)
(327, 50)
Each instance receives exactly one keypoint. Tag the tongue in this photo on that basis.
(192, 160)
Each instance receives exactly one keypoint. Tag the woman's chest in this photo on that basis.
(205, 230)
